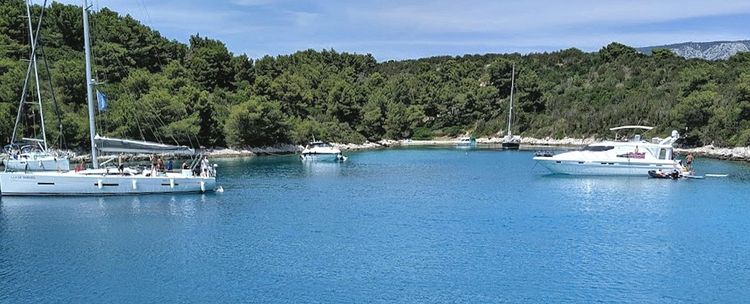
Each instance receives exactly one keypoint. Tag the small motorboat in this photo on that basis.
(318, 150)
(466, 142)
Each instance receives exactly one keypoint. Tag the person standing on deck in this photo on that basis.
(120, 165)
(204, 166)
(154, 165)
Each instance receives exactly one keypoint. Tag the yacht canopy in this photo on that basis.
(116, 145)
(630, 127)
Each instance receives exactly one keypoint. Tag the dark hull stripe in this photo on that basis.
(98, 194)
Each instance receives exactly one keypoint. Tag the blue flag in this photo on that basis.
(101, 100)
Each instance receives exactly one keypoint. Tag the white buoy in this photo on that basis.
(135, 185)
(171, 183)
(203, 186)
(99, 184)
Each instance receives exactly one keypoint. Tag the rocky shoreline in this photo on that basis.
(736, 153)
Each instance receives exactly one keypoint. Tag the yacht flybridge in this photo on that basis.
(633, 156)
(318, 150)
(199, 177)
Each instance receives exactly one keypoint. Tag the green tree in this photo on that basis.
(256, 122)
(210, 63)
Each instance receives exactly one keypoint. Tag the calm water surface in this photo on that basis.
(404, 225)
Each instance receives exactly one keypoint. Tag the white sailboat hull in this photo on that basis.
(608, 167)
(51, 183)
(43, 164)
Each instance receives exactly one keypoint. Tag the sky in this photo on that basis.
(408, 29)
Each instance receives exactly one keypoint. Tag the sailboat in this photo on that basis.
(27, 153)
(511, 142)
(200, 177)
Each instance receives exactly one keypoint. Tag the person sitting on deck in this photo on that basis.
(170, 164)
(660, 172)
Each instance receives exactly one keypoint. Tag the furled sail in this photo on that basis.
(116, 145)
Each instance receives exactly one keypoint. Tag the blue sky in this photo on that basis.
(392, 29)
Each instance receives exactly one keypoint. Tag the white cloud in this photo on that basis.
(411, 28)
(253, 2)
(484, 16)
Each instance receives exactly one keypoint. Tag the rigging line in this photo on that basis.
(63, 142)
(138, 124)
(153, 130)
(159, 120)
(150, 22)
(35, 38)
(28, 75)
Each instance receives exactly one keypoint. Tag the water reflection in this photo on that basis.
(182, 205)
(322, 168)
(600, 193)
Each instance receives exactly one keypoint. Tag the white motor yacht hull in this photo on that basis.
(572, 167)
(51, 183)
(321, 156)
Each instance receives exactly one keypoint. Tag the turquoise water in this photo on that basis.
(402, 225)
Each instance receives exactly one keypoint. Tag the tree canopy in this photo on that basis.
(202, 94)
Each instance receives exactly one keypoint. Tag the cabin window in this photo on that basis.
(662, 153)
(598, 148)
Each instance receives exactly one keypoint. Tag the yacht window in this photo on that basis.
(598, 148)
(662, 153)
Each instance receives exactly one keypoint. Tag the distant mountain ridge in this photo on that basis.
(714, 50)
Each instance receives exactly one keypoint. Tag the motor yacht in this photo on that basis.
(318, 150)
(631, 156)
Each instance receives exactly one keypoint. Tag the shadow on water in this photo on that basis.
(92, 206)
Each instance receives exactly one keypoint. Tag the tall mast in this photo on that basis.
(89, 83)
(36, 72)
(510, 111)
